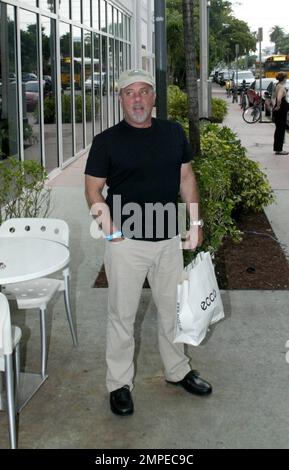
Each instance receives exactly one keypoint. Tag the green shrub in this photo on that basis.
(228, 182)
(219, 109)
(50, 114)
(248, 182)
(177, 104)
(22, 189)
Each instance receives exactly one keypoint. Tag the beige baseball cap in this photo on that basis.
(128, 77)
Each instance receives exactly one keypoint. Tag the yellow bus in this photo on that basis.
(77, 64)
(275, 64)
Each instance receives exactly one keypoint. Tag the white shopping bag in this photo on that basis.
(199, 302)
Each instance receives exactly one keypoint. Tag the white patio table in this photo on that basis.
(23, 259)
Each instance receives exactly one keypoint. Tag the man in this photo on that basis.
(145, 162)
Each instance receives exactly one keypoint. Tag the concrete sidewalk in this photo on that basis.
(243, 356)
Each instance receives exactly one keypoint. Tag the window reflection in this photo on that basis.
(9, 135)
(47, 5)
(75, 7)
(86, 15)
(116, 76)
(64, 9)
(103, 20)
(78, 86)
(29, 2)
(110, 19)
(105, 83)
(95, 14)
(66, 93)
(98, 81)
(111, 80)
(50, 101)
(88, 86)
(30, 67)
(120, 30)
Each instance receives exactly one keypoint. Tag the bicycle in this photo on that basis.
(252, 114)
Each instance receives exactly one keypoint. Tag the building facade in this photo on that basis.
(59, 66)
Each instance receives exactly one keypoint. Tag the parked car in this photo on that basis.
(244, 75)
(29, 77)
(96, 82)
(253, 94)
(32, 94)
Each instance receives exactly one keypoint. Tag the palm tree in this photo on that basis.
(191, 75)
(276, 36)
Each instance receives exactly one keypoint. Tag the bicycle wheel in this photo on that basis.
(251, 115)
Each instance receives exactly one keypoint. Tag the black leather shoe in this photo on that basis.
(121, 402)
(194, 384)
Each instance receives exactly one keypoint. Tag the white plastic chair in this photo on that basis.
(37, 293)
(9, 342)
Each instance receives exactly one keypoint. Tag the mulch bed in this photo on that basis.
(257, 262)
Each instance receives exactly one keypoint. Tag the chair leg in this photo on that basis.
(2, 406)
(68, 309)
(17, 374)
(10, 400)
(43, 341)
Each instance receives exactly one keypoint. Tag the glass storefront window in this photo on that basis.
(129, 31)
(98, 81)
(47, 5)
(30, 79)
(64, 8)
(111, 79)
(116, 76)
(29, 2)
(86, 13)
(78, 88)
(95, 14)
(9, 132)
(124, 18)
(66, 92)
(50, 93)
(103, 18)
(120, 30)
(128, 61)
(116, 25)
(110, 19)
(89, 83)
(75, 7)
(105, 83)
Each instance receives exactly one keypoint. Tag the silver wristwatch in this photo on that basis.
(198, 223)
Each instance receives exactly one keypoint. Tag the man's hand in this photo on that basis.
(194, 238)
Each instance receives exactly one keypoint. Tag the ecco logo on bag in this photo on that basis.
(209, 300)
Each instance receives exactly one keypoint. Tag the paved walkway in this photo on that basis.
(243, 356)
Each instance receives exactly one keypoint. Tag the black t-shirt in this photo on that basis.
(142, 167)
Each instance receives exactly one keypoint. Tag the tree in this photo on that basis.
(191, 75)
(225, 32)
(276, 36)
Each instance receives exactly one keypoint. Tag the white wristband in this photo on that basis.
(198, 223)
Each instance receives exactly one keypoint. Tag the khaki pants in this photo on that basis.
(127, 263)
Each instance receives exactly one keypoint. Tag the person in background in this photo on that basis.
(280, 111)
(143, 161)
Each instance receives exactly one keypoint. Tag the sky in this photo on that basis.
(263, 13)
